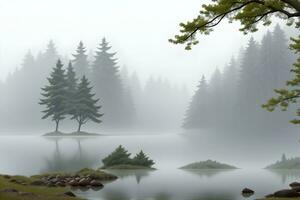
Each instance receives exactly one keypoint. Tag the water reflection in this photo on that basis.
(286, 175)
(207, 172)
(138, 174)
(60, 161)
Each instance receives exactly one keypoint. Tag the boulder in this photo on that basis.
(70, 194)
(84, 182)
(295, 184)
(95, 183)
(247, 191)
(297, 189)
(73, 183)
(286, 193)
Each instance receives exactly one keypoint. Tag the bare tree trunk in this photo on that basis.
(56, 128)
(79, 127)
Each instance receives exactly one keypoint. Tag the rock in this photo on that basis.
(37, 183)
(247, 191)
(295, 184)
(9, 190)
(95, 183)
(73, 183)
(286, 193)
(70, 194)
(297, 189)
(84, 182)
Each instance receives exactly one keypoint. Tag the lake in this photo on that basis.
(28, 155)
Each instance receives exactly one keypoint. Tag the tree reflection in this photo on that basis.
(59, 161)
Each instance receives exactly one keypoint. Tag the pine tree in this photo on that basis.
(80, 61)
(197, 115)
(55, 95)
(85, 107)
(142, 160)
(71, 88)
(119, 156)
(248, 87)
(108, 86)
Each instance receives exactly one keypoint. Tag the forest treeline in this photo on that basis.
(125, 102)
(232, 98)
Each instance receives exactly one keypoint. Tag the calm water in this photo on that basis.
(29, 155)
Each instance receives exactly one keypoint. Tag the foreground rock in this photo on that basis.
(295, 184)
(84, 178)
(286, 193)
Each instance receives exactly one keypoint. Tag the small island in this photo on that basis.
(61, 134)
(208, 164)
(120, 159)
(284, 163)
(52, 186)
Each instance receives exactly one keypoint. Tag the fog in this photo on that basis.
(79, 78)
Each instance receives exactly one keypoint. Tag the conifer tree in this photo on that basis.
(80, 61)
(118, 157)
(71, 88)
(54, 98)
(107, 82)
(85, 106)
(197, 114)
(142, 160)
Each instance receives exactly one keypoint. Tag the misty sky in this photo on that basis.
(137, 30)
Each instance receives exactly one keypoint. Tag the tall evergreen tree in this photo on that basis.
(54, 95)
(197, 115)
(248, 86)
(80, 61)
(85, 106)
(108, 86)
(71, 88)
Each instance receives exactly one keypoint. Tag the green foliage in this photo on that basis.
(248, 12)
(120, 157)
(64, 96)
(208, 164)
(85, 106)
(71, 88)
(142, 160)
(288, 95)
(54, 95)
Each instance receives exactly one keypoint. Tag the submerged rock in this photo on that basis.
(247, 191)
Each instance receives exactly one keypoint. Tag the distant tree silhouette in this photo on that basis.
(80, 61)
(108, 86)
